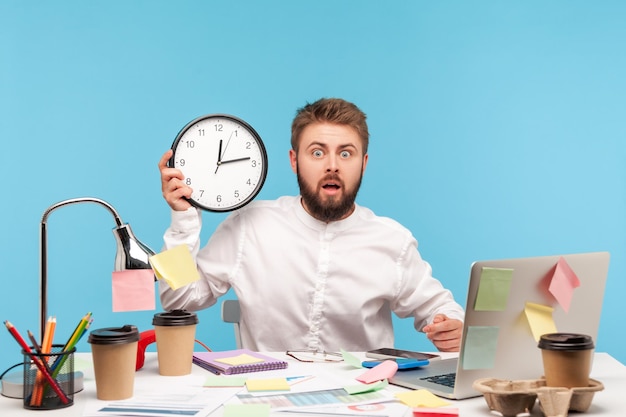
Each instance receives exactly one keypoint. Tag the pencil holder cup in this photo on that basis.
(56, 390)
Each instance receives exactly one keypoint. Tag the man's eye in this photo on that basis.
(345, 154)
(318, 153)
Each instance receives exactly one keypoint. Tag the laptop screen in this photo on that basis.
(512, 302)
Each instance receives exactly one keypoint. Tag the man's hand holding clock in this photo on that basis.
(175, 192)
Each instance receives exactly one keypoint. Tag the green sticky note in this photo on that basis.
(362, 388)
(350, 359)
(225, 381)
(246, 410)
(480, 347)
(493, 289)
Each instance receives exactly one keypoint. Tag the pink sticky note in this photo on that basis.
(133, 290)
(435, 412)
(383, 370)
(563, 283)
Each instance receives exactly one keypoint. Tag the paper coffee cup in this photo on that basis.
(114, 351)
(566, 359)
(175, 333)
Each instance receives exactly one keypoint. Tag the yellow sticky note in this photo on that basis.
(243, 359)
(175, 266)
(271, 384)
(540, 319)
(420, 398)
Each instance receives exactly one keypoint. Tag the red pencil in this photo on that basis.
(20, 340)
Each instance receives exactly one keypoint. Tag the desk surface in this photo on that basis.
(609, 402)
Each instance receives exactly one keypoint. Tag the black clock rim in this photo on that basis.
(259, 186)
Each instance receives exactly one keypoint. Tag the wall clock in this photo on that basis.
(223, 159)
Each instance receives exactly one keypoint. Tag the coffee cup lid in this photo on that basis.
(175, 318)
(565, 341)
(114, 335)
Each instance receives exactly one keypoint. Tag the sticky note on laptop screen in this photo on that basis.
(481, 343)
(539, 319)
(493, 289)
(563, 283)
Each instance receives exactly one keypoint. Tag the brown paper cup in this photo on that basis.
(175, 349)
(567, 359)
(114, 352)
(175, 333)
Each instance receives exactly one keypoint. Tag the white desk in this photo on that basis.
(609, 402)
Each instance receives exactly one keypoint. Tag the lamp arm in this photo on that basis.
(53, 207)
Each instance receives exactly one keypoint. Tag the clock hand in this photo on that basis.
(234, 160)
(227, 143)
(219, 157)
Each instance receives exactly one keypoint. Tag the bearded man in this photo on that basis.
(313, 272)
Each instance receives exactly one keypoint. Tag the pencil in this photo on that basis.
(80, 330)
(46, 347)
(20, 340)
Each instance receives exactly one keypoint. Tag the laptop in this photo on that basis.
(498, 341)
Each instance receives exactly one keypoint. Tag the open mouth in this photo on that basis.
(331, 186)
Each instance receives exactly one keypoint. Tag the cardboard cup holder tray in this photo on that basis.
(510, 398)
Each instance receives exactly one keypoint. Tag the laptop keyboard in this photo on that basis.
(444, 379)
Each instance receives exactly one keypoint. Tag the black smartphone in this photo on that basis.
(389, 353)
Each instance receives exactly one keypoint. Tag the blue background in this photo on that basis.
(498, 130)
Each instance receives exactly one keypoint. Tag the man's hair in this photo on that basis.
(330, 110)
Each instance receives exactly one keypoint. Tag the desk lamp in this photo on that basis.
(131, 254)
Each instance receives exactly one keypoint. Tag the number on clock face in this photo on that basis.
(223, 160)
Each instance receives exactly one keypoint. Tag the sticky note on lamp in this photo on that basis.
(175, 266)
(133, 290)
(563, 283)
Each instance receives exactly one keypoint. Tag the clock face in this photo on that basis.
(223, 159)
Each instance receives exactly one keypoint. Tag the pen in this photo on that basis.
(18, 338)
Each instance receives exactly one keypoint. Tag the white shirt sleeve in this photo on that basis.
(185, 230)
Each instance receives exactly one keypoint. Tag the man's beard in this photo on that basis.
(333, 208)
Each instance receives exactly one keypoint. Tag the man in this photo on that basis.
(316, 271)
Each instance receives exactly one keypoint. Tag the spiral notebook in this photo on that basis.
(237, 361)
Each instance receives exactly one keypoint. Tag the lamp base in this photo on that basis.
(13, 384)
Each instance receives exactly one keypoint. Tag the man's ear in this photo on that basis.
(365, 159)
(293, 159)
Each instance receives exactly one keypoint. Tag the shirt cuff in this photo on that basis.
(187, 220)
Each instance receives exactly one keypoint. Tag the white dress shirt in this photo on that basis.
(306, 284)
